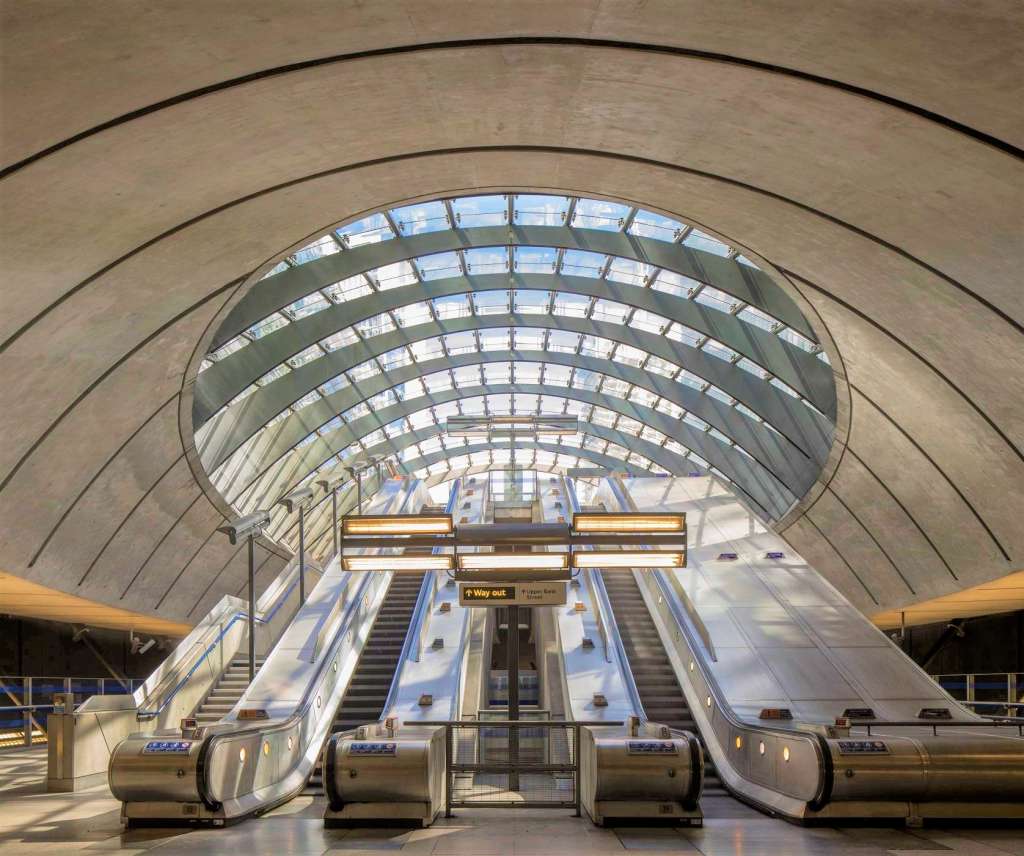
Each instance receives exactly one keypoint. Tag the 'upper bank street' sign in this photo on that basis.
(513, 594)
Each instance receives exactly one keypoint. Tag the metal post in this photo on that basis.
(576, 763)
(334, 515)
(252, 607)
(448, 775)
(513, 695)
(359, 492)
(302, 554)
(26, 699)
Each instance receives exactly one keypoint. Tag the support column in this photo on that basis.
(302, 554)
(252, 608)
(513, 694)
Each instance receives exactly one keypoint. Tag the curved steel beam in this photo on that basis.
(749, 284)
(281, 475)
(788, 415)
(797, 474)
(318, 518)
(798, 368)
(234, 428)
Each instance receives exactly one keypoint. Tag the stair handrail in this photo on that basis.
(606, 618)
(412, 646)
(238, 616)
(673, 581)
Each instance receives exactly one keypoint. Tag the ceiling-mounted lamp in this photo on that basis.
(424, 562)
(397, 524)
(629, 522)
(629, 559)
(514, 561)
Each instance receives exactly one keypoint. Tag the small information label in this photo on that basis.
(519, 594)
(861, 747)
(373, 749)
(652, 747)
(172, 747)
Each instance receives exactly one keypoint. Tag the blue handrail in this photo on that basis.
(238, 616)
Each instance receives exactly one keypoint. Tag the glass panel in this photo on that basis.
(412, 314)
(717, 349)
(267, 326)
(306, 400)
(531, 302)
(334, 384)
(363, 371)
(675, 283)
(460, 343)
(647, 224)
(229, 348)
(313, 352)
(794, 338)
(535, 259)
(394, 276)
(421, 218)
(375, 325)
(426, 349)
(527, 372)
(456, 306)
(679, 333)
(629, 355)
(755, 316)
(473, 211)
(439, 265)
(466, 376)
(598, 214)
(496, 373)
(395, 358)
(325, 246)
(595, 346)
(495, 339)
(662, 367)
(583, 263)
(308, 305)
(273, 374)
(571, 305)
(536, 210)
(348, 289)
(610, 311)
(369, 230)
(702, 241)
(341, 339)
(648, 321)
(491, 302)
(556, 375)
(629, 271)
(716, 299)
(486, 260)
(563, 342)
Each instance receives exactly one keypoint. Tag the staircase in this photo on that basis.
(367, 692)
(653, 674)
(227, 691)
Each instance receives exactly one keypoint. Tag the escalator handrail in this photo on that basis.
(824, 757)
(368, 579)
(606, 616)
(424, 600)
(238, 616)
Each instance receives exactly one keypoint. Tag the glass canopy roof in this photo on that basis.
(565, 288)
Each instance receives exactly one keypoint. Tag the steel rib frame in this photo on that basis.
(797, 481)
(804, 372)
(227, 438)
(748, 284)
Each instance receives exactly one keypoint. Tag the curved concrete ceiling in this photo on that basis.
(158, 161)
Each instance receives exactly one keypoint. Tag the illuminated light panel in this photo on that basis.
(398, 524)
(629, 559)
(629, 523)
(398, 563)
(514, 561)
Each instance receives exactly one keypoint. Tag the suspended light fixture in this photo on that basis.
(424, 562)
(628, 523)
(397, 524)
(629, 559)
(514, 561)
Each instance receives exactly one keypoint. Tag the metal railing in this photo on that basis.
(507, 774)
(19, 724)
(989, 693)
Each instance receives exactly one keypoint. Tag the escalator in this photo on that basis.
(655, 679)
(374, 673)
(226, 692)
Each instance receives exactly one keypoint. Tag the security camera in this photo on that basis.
(243, 527)
(301, 498)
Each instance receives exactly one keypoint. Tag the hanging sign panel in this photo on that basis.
(513, 594)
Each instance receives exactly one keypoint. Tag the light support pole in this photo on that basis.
(331, 486)
(300, 499)
(249, 527)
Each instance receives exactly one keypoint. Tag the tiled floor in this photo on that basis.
(33, 821)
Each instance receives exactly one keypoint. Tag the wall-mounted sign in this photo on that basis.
(513, 594)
